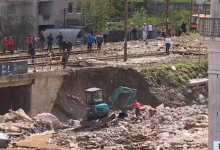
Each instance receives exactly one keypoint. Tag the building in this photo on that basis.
(209, 33)
(48, 13)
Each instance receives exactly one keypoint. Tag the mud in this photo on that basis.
(71, 96)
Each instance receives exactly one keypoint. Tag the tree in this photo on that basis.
(96, 13)
(19, 26)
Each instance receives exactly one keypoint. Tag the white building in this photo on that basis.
(209, 30)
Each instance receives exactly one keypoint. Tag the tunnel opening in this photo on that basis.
(71, 96)
(15, 97)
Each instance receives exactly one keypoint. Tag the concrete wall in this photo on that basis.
(44, 88)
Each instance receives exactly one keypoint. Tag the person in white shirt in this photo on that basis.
(168, 44)
(144, 31)
(150, 28)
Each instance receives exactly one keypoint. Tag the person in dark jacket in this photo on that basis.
(65, 58)
(42, 40)
(60, 40)
(64, 45)
(68, 46)
(49, 42)
(90, 40)
(93, 34)
(183, 27)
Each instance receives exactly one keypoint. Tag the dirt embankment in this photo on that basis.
(71, 97)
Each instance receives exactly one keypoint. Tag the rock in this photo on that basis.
(47, 117)
(163, 135)
(152, 112)
(201, 98)
(2, 119)
(161, 106)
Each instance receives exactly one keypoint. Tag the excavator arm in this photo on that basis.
(119, 91)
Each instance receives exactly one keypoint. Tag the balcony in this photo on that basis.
(209, 29)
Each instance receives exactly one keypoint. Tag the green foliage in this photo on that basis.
(140, 16)
(165, 75)
(98, 12)
(72, 72)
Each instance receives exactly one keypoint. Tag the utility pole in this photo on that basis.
(167, 16)
(190, 17)
(125, 29)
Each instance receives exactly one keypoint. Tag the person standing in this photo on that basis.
(42, 40)
(90, 40)
(93, 33)
(65, 58)
(99, 39)
(32, 50)
(183, 27)
(11, 45)
(163, 33)
(150, 28)
(168, 44)
(68, 46)
(49, 42)
(136, 105)
(173, 32)
(4, 43)
(30, 43)
(60, 40)
(64, 45)
(105, 34)
(134, 33)
(144, 31)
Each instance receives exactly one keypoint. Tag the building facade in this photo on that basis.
(47, 13)
(209, 34)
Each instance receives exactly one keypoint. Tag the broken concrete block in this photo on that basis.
(47, 117)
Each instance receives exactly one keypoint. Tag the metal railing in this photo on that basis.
(209, 27)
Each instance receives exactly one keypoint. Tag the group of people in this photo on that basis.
(8, 42)
(64, 44)
(96, 37)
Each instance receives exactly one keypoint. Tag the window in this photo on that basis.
(194, 20)
(79, 9)
(11, 8)
(70, 8)
(98, 96)
(94, 97)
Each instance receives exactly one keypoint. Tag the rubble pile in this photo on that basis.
(18, 125)
(160, 128)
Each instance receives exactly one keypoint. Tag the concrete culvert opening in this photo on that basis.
(15, 97)
(71, 98)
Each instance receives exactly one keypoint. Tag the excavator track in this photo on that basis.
(100, 123)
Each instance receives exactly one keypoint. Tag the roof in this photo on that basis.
(93, 89)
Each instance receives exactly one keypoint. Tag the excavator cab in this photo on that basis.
(96, 107)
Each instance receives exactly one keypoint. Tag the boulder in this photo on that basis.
(47, 117)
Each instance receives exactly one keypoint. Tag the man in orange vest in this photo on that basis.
(4, 43)
(11, 45)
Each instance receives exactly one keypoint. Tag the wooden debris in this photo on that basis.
(23, 117)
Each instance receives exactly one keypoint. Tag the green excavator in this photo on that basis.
(97, 108)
